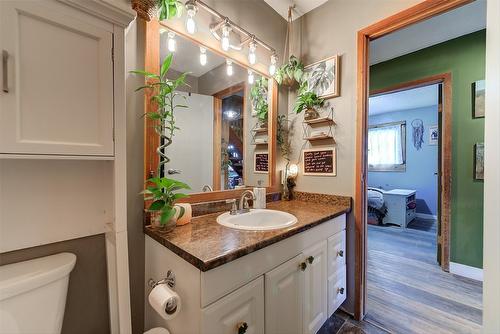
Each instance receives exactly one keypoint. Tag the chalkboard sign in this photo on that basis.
(261, 162)
(320, 161)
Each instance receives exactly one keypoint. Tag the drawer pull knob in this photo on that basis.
(340, 290)
(310, 259)
(340, 253)
(303, 266)
(242, 328)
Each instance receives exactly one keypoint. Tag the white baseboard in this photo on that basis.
(426, 216)
(466, 271)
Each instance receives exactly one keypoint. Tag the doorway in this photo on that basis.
(404, 19)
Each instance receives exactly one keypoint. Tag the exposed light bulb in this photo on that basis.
(190, 24)
(250, 77)
(203, 56)
(171, 41)
(229, 67)
(225, 37)
(293, 170)
(272, 66)
(252, 57)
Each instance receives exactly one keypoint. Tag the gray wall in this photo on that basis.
(87, 307)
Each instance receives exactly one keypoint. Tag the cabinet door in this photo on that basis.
(242, 311)
(337, 289)
(284, 297)
(315, 291)
(58, 94)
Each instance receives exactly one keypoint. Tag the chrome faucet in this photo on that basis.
(243, 205)
(206, 188)
(244, 201)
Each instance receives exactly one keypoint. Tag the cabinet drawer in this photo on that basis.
(337, 290)
(243, 307)
(336, 252)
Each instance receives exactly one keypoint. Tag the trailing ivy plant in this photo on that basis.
(168, 9)
(258, 97)
(290, 72)
(307, 99)
(161, 190)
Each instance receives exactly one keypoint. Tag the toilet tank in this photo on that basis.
(33, 294)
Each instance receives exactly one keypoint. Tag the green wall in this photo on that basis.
(464, 57)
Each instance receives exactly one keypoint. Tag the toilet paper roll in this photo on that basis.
(165, 301)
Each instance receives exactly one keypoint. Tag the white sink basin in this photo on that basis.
(257, 220)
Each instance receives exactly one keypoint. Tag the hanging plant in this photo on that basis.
(168, 9)
(161, 190)
(258, 97)
(290, 73)
(308, 101)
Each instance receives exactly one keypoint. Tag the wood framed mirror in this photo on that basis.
(222, 147)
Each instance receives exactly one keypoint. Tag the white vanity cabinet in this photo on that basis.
(294, 284)
(57, 81)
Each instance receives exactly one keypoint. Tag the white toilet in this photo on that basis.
(33, 294)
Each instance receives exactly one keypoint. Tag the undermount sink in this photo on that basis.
(257, 220)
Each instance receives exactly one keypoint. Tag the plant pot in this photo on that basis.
(263, 123)
(145, 9)
(288, 82)
(155, 221)
(311, 114)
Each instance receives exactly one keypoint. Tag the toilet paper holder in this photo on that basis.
(169, 280)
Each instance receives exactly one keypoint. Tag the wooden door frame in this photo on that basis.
(217, 155)
(403, 19)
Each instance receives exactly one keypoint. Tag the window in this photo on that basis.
(387, 147)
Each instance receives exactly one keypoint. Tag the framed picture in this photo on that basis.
(261, 162)
(478, 89)
(433, 135)
(323, 77)
(479, 161)
(320, 161)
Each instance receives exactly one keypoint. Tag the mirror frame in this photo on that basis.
(151, 140)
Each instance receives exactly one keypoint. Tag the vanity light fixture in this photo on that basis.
(171, 41)
(203, 56)
(231, 114)
(191, 10)
(250, 77)
(252, 57)
(272, 67)
(229, 67)
(226, 28)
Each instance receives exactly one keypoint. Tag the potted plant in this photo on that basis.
(162, 191)
(308, 101)
(162, 9)
(258, 97)
(290, 73)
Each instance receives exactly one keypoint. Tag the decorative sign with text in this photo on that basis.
(261, 161)
(320, 161)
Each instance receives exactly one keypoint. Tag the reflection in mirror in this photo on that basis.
(222, 139)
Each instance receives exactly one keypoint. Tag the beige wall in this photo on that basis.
(328, 30)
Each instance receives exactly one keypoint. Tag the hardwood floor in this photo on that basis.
(407, 290)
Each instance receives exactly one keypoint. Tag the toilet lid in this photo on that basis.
(157, 330)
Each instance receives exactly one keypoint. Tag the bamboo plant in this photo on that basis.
(162, 191)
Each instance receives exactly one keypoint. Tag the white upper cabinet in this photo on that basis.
(57, 82)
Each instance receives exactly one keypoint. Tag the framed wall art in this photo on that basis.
(478, 90)
(323, 77)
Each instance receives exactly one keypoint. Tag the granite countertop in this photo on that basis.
(206, 244)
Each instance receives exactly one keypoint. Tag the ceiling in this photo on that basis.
(408, 99)
(187, 57)
(301, 6)
(441, 28)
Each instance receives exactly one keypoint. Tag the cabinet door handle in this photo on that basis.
(340, 253)
(340, 290)
(5, 71)
(303, 266)
(242, 327)
(310, 259)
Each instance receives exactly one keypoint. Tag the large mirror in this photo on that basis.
(223, 138)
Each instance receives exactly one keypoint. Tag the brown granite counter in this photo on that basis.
(206, 244)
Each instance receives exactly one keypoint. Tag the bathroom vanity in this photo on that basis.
(287, 280)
